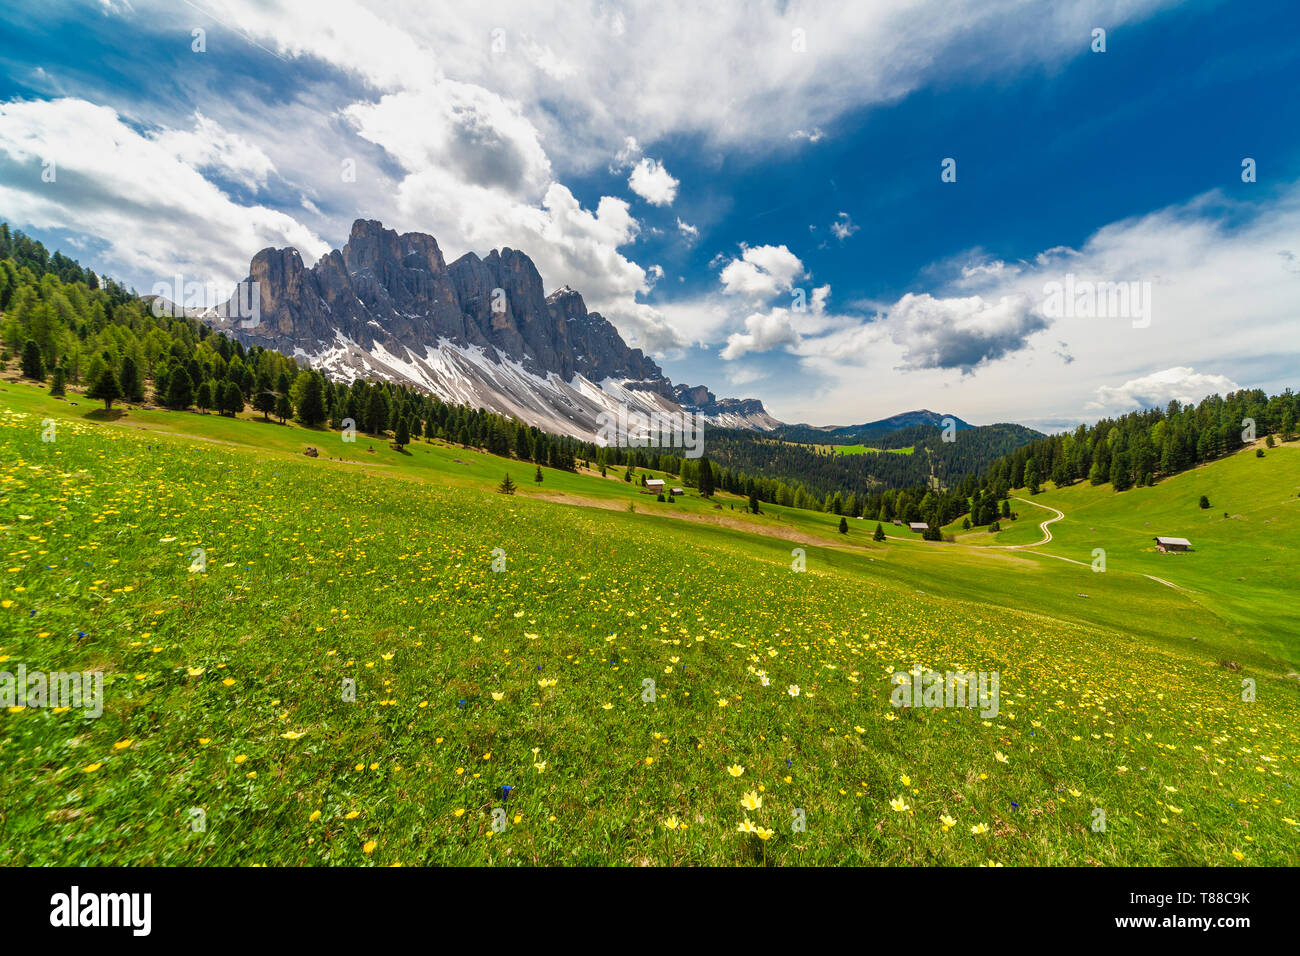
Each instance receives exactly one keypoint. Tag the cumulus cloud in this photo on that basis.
(686, 229)
(1212, 262)
(806, 318)
(138, 193)
(1158, 389)
(627, 155)
(761, 272)
(653, 183)
(650, 179)
(763, 331)
(464, 130)
(961, 333)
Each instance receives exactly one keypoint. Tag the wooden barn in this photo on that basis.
(918, 526)
(1166, 545)
(654, 485)
(679, 491)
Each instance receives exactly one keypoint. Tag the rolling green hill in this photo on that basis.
(1243, 564)
(226, 682)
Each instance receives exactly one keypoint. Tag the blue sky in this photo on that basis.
(696, 174)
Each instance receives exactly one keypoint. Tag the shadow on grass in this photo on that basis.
(106, 414)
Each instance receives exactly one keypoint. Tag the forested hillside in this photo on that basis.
(1142, 447)
(827, 471)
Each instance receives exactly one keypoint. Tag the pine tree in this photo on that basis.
(32, 365)
(232, 399)
(753, 504)
(180, 390)
(507, 486)
(1031, 476)
(1120, 478)
(59, 382)
(283, 408)
(132, 386)
(106, 387)
(160, 378)
(377, 411)
(538, 477)
(706, 478)
(402, 436)
(310, 402)
(264, 402)
(844, 525)
(203, 396)
(879, 533)
(1205, 502)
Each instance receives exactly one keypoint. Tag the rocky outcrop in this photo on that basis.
(389, 304)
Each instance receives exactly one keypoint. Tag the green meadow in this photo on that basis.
(372, 658)
(858, 449)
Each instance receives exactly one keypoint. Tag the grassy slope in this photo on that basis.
(1243, 568)
(317, 569)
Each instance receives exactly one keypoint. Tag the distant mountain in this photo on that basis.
(854, 434)
(479, 332)
(726, 412)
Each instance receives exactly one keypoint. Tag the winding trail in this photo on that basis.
(1047, 534)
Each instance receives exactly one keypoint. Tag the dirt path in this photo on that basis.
(1169, 584)
(1047, 534)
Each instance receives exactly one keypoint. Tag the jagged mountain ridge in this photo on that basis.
(479, 331)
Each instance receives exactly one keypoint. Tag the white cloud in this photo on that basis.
(995, 268)
(463, 131)
(137, 193)
(843, 226)
(1223, 296)
(550, 63)
(761, 272)
(960, 333)
(210, 147)
(1158, 389)
(653, 183)
(728, 73)
(742, 375)
(787, 326)
(686, 229)
(763, 331)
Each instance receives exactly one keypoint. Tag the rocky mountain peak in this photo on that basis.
(389, 304)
